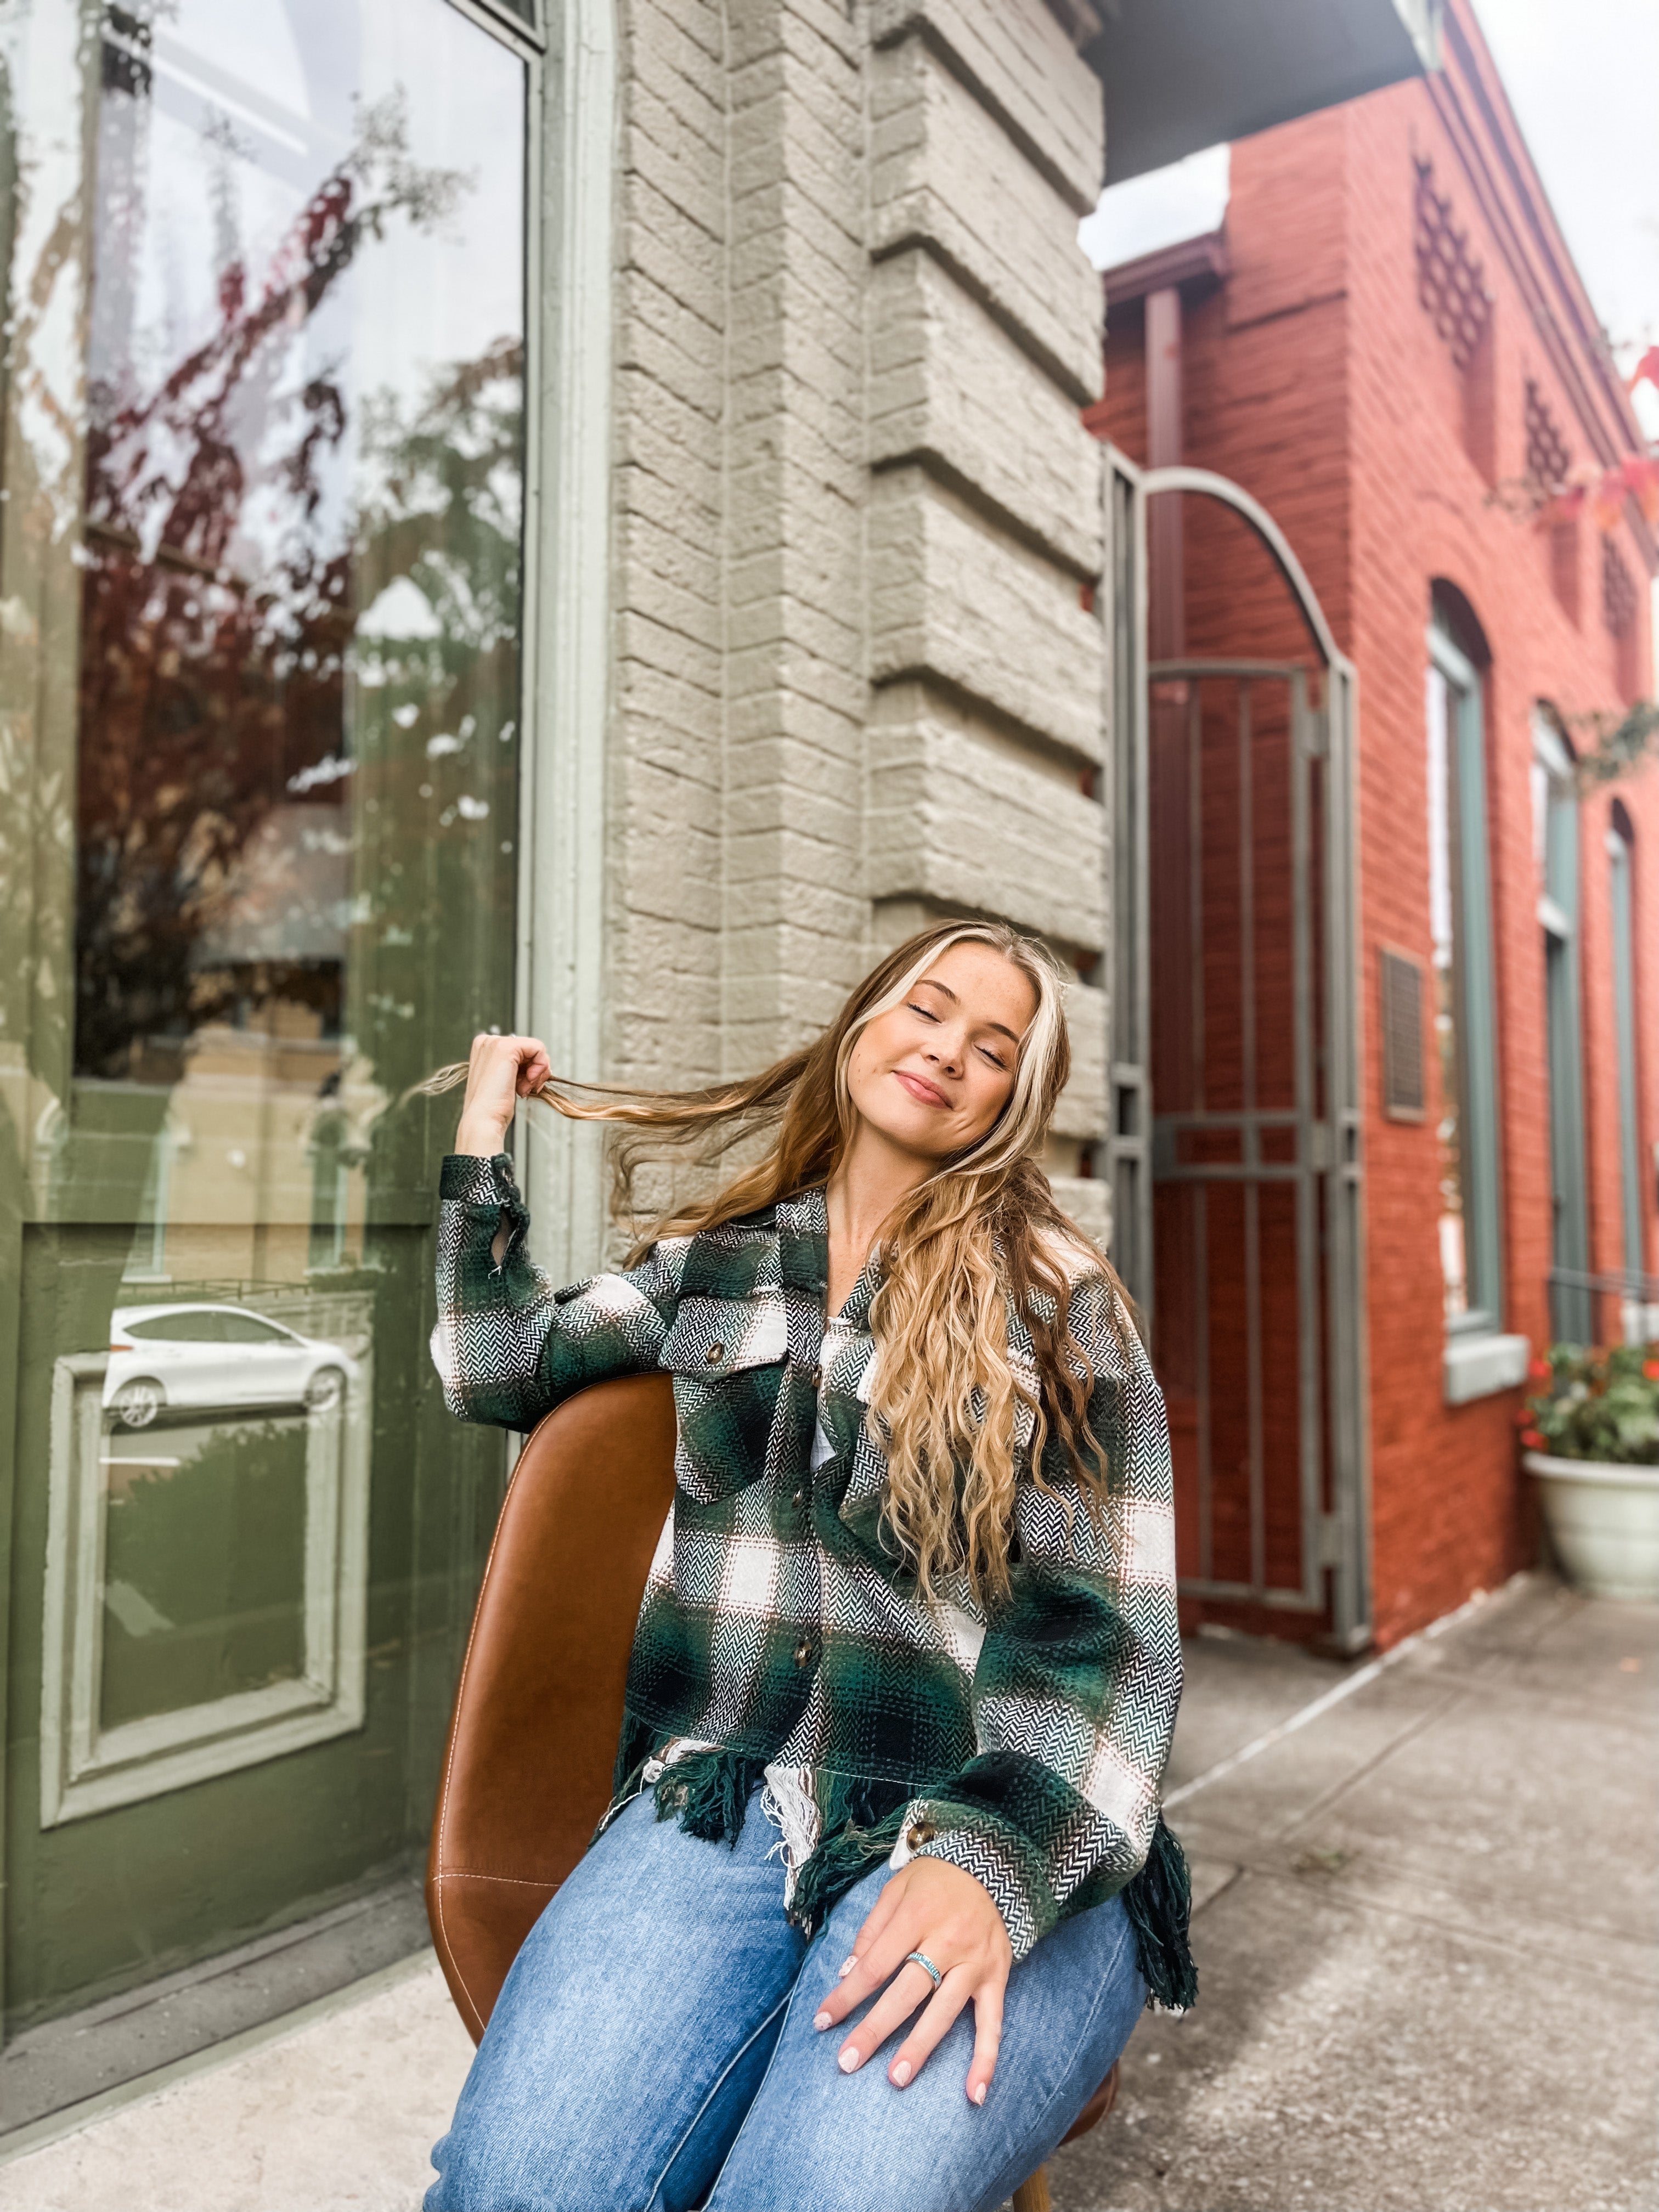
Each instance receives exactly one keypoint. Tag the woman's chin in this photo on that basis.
(912, 1128)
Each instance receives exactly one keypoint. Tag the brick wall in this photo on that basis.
(857, 519)
(1316, 377)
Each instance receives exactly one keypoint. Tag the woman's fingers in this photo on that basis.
(534, 1067)
(500, 1070)
(908, 1988)
(988, 2036)
(935, 2024)
(870, 1964)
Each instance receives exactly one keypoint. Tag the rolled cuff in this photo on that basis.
(990, 1850)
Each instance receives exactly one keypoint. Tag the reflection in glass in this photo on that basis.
(299, 658)
(1443, 906)
(204, 1565)
(261, 454)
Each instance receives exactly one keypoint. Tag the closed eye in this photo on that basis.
(928, 1015)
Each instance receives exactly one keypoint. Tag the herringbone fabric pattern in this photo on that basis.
(779, 1621)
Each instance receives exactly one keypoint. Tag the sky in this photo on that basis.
(1583, 76)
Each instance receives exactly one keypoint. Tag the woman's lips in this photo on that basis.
(924, 1093)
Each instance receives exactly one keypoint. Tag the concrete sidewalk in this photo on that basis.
(1426, 1936)
(1428, 1944)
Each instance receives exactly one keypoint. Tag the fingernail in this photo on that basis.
(820, 2020)
(901, 2073)
(849, 1966)
(978, 2094)
(849, 2059)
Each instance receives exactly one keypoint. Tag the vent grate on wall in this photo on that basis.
(1549, 463)
(1402, 1036)
(1618, 591)
(1451, 283)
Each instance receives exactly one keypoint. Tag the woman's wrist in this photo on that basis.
(480, 1136)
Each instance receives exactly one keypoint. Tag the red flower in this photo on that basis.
(1532, 1439)
(1651, 1369)
(1539, 1370)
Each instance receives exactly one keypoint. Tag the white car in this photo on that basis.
(177, 1357)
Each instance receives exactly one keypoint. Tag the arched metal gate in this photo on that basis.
(1234, 1153)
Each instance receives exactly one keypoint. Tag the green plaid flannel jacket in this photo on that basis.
(779, 1621)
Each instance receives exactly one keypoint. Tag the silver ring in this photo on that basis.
(920, 1958)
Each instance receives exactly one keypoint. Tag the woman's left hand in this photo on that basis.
(933, 1907)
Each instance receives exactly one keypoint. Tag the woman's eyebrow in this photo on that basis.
(933, 984)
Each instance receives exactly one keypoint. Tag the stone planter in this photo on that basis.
(1604, 1523)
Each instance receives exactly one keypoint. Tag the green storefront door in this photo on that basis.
(264, 264)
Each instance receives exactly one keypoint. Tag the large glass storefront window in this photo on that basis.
(259, 609)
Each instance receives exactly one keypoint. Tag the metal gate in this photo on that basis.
(1235, 1153)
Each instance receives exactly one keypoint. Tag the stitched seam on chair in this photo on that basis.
(782, 2005)
(476, 1873)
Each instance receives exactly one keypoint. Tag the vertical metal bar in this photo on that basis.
(1310, 1160)
(1201, 1376)
(1345, 1272)
(1247, 926)
(1252, 1149)
(1127, 787)
(1196, 1103)
(1145, 1101)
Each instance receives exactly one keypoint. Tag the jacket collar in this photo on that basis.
(803, 1254)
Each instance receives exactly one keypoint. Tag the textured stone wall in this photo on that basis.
(858, 522)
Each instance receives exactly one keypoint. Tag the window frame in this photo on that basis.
(1474, 988)
(1559, 914)
(1621, 899)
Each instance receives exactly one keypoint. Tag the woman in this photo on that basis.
(907, 1666)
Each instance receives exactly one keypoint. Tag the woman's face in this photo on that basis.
(933, 1073)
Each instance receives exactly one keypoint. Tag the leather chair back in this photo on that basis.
(527, 1774)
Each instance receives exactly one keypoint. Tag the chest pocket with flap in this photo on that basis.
(727, 1358)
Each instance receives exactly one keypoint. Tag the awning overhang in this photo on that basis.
(1183, 74)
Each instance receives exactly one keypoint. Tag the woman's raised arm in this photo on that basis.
(507, 1346)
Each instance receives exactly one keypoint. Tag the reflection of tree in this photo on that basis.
(432, 710)
(210, 699)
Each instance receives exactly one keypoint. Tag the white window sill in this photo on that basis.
(1478, 1366)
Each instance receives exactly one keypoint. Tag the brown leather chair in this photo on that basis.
(538, 1708)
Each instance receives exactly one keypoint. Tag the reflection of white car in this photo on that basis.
(182, 1356)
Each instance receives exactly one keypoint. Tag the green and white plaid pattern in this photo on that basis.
(779, 1621)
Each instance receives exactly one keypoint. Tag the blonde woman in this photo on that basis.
(907, 1666)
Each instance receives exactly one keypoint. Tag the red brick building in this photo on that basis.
(1387, 337)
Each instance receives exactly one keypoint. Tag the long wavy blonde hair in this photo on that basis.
(980, 1234)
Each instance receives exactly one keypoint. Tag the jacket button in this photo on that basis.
(803, 1653)
(922, 1831)
(798, 1501)
(816, 1377)
(715, 1354)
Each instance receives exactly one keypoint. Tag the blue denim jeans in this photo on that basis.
(653, 2049)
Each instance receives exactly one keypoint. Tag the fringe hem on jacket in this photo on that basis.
(707, 1791)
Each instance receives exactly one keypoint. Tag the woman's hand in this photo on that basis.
(501, 1071)
(931, 1906)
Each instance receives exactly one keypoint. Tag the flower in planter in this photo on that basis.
(1602, 1403)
